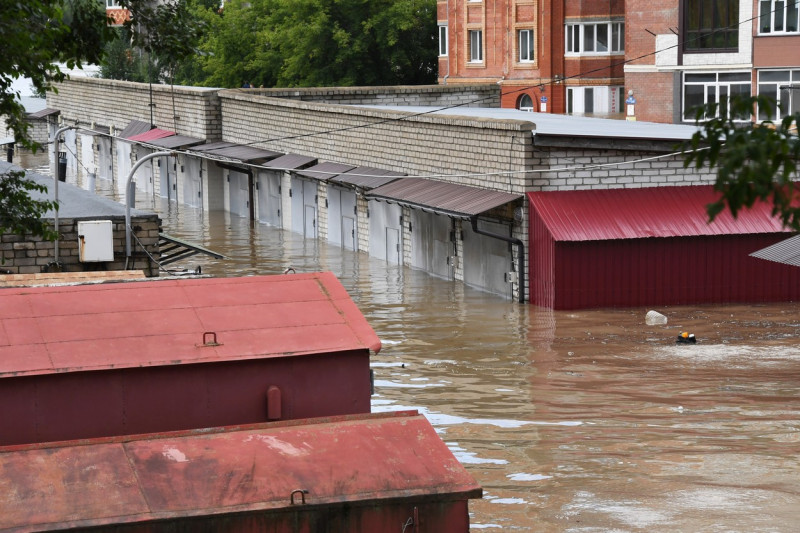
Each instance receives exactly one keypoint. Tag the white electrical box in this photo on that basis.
(95, 241)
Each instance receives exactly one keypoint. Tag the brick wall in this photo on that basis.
(648, 171)
(186, 110)
(32, 255)
(485, 95)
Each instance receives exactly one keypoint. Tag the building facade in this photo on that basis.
(548, 56)
(625, 59)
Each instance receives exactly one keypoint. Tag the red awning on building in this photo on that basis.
(152, 135)
(599, 215)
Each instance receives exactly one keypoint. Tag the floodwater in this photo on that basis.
(584, 421)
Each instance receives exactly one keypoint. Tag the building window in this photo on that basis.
(778, 16)
(783, 88)
(595, 39)
(112, 3)
(525, 103)
(442, 39)
(526, 54)
(711, 25)
(600, 100)
(475, 46)
(701, 89)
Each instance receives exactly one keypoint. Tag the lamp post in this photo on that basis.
(55, 188)
(129, 196)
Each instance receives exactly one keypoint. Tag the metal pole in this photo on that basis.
(55, 189)
(129, 196)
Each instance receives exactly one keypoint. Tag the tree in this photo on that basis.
(319, 43)
(19, 214)
(755, 162)
(38, 35)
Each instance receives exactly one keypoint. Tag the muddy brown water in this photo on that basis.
(587, 421)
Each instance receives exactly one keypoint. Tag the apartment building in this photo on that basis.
(547, 55)
(635, 59)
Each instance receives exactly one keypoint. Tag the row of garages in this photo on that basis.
(571, 235)
(449, 230)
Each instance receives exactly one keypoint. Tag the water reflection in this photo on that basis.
(571, 421)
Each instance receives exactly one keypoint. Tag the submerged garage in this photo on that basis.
(648, 247)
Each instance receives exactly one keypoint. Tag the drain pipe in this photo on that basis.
(520, 253)
(129, 197)
(55, 188)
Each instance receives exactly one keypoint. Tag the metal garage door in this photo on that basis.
(431, 247)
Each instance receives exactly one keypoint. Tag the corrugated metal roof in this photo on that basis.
(241, 152)
(324, 171)
(46, 112)
(151, 135)
(593, 215)
(367, 177)
(93, 327)
(211, 146)
(378, 459)
(446, 198)
(176, 141)
(290, 162)
(135, 127)
(786, 252)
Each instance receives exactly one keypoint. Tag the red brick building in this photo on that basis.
(558, 57)
(591, 56)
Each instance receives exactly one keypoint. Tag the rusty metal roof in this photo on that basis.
(324, 171)
(176, 141)
(151, 135)
(593, 215)
(371, 459)
(239, 152)
(46, 112)
(134, 127)
(290, 162)
(123, 325)
(449, 199)
(367, 177)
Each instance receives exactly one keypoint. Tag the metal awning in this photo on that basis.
(238, 152)
(449, 199)
(155, 133)
(46, 112)
(96, 130)
(176, 141)
(135, 127)
(786, 252)
(610, 214)
(324, 171)
(173, 249)
(291, 162)
(367, 177)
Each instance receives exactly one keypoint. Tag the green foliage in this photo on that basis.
(318, 43)
(19, 214)
(755, 162)
(38, 34)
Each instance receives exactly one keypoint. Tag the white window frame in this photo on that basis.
(111, 4)
(527, 46)
(786, 92)
(443, 38)
(779, 14)
(525, 107)
(581, 39)
(714, 86)
(476, 46)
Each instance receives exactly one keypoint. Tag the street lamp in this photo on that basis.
(129, 198)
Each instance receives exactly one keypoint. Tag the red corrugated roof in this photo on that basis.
(123, 325)
(340, 462)
(153, 134)
(596, 215)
